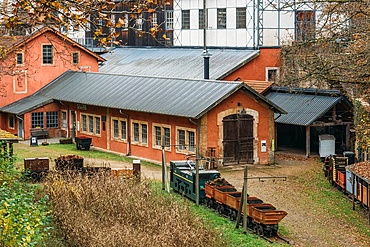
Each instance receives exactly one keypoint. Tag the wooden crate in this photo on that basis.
(36, 164)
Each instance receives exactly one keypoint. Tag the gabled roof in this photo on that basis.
(15, 42)
(168, 96)
(304, 106)
(259, 86)
(187, 63)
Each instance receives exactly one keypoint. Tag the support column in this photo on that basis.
(348, 144)
(308, 141)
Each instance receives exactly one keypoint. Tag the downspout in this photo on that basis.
(197, 162)
(23, 125)
(67, 117)
(128, 133)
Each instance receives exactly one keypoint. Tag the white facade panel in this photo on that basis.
(185, 37)
(231, 18)
(277, 22)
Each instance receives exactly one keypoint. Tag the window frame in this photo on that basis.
(223, 17)
(52, 119)
(154, 21)
(47, 55)
(185, 19)
(119, 136)
(39, 122)
(95, 129)
(22, 58)
(268, 69)
(11, 121)
(305, 28)
(186, 149)
(241, 20)
(162, 128)
(200, 19)
(169, 19)
(64, 121)
(140, 133)
(77, 58)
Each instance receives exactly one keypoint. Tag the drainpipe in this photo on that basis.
(128, 132)
(67, 117)
(23, 125)
(197, 162)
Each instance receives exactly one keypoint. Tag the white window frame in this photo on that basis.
(169, 19)
(16, 58)
(186, 150)
(119, 120)
(11, 117)
(154, 137)
(78, 57)
(140, 124)
(95, 131)
(139, 22)
(64, 121)
(272, 68)
(154, 22)
(42, 55)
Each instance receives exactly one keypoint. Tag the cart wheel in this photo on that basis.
(35, 176)
(260, 230)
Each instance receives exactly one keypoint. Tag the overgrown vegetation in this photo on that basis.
(108, 211)
(25, 219)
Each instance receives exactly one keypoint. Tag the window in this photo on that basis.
(64, 119)
(140, 132)
(84, 123)
(201, 22)
(154, 20)
(97, 125)
(139, 22)
(241, 18)
(185, 19)
(19, 58)
(125, 21)
(119, 128)
(161, 131)
(11, 121)
(185, 140)
(221, 18)
(52, 119)
(169, 20)
(37, 120)
(75, 58)
(91, 124)
(305, 25)
(47, 54)
(272, 74)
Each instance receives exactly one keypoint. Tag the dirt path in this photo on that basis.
(307, 223)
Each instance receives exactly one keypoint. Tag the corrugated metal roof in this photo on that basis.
(175, 62)
(169, 96)
(302, 109)
(27, 104)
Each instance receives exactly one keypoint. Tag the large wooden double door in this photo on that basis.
(238, 139)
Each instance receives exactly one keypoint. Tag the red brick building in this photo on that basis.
(132, 114)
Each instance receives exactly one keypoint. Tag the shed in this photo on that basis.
(310, 113)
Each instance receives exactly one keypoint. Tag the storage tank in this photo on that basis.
(326, 145)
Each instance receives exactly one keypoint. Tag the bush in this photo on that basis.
(24, 215)
(108, 211)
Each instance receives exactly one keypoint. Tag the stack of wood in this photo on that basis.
(361, 168)
(219, 182)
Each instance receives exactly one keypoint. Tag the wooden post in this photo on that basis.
(308, 140)
(245, 224)
(163, 164)
(353, 191)
(238, 217)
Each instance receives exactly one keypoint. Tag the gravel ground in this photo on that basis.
(307, 223)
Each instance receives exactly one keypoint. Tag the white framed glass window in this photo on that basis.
(185, 140)
(140, 133)
(91, 124)
(119, 129)
(169, 20)
(161, 131)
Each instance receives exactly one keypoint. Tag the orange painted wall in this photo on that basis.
(238, 101)
(37, 74)
(256, 69)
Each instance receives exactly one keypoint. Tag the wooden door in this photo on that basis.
(238, 139)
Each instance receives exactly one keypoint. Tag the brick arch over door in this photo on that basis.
(248, 133)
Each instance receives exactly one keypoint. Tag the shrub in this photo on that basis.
(24, 218)
(108, 211)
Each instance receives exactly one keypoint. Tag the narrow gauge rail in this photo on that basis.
(262, 217)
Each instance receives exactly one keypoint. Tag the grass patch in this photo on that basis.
(53, 151)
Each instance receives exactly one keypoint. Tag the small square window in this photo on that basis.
(19, 58)
(75, 58)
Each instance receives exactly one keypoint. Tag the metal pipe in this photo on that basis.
(128, 133)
